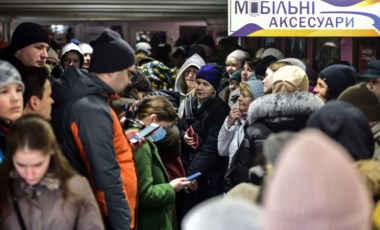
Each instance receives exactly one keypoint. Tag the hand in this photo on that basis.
(234, 115)
(131, 133)
(193, 185)
(179, 183)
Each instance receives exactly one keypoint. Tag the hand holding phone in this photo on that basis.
(148, 130)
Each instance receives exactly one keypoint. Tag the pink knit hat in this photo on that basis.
(316, 186)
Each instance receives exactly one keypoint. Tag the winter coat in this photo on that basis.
(4, 130)
(95, 144)
(230, 138)
(206, 122)
(43, 206)
(156, 195)
(271, 113)
(376, 137)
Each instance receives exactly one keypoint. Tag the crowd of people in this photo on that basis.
(269, 147)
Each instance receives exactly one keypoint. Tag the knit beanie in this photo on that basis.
(85, 48)
(289, 79)
(223, 214)
(211, 73)
(9, 74)
(256, 88)
(347, 125)
(316, 186)
(239, 55)
(363, 99)
(28, 33)
(274, 52)
(111, 53)
(236, 76)
(160, 76)
(52, 54)
(338, 77)
(373, 70)
(263, 65)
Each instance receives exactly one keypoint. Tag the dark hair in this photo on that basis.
(34, 132)
(158, 105)
(34, 79)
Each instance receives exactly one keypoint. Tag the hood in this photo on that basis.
(72, 47)
(77, 83)
(194, 60)
(283, 105)
(347, 125)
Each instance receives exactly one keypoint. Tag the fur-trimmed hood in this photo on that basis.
(283, 107)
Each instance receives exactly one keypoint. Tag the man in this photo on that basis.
(372, 76)
(29, 46)
(90, 132)
(52, 60)
(37, 95)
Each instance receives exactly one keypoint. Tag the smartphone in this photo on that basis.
(254, 11)
(195, 175)
(148, 130)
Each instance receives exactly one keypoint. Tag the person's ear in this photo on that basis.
(34, 102)
(153, 118)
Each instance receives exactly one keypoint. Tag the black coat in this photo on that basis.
(206, 122)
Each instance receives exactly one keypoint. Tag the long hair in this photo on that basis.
(33, 132)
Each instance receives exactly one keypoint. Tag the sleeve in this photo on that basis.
(154, 191)
(89, 215)
(208, 151)
(94, 139)
(224, 138)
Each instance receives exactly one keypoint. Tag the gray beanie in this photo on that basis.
(9, 74)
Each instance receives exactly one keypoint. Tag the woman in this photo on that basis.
(248, 70)
(204, 115)
(232, 132)
(156, 192)
(39, 188)
(333, 80)
(11, 101)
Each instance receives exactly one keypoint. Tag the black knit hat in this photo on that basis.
(338, 78)
(263, 65)
(111, 53)
(28, 33)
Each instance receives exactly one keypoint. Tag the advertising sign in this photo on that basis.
(304, 18)
(366, 53)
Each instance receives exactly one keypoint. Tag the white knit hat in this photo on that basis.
(86, 48)
(316, 186)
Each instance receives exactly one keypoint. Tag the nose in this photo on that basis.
(16, 96)
(45, 54)
(29, 174)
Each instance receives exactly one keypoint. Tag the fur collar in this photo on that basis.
(283, 105)
(50, 181)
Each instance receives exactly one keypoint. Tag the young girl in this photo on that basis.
(39, 190)
(156, 192)
(11, 101)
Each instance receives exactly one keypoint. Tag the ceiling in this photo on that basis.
(113, 10)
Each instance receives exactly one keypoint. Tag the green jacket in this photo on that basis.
(156, 195)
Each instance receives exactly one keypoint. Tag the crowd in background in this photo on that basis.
(275, 145)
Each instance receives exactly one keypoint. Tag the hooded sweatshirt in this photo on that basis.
(180, 84)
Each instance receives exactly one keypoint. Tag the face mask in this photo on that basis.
(158, 135)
